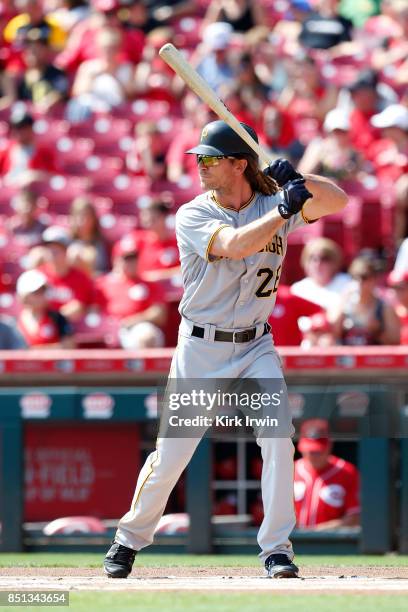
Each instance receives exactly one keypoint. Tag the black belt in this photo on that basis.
(238, 337)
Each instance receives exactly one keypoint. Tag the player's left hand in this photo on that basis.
(295, 195)
(282, 171)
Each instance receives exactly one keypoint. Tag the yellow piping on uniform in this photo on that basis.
(145, 480)
(211, 240)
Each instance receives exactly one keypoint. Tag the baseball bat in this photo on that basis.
(194, 81)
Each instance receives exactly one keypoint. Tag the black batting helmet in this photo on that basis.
(217, 138)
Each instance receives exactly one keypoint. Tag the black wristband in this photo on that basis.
(284, 212)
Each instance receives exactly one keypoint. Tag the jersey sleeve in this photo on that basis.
(196, 231)
(352, 499)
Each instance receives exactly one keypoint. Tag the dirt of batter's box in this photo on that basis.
(157, 572)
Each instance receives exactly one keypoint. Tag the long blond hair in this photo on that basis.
(257, 179)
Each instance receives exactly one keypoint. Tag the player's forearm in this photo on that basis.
(327, 199)
(249, 239)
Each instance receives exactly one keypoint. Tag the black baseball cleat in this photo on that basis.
(118, 561)
(280, 566)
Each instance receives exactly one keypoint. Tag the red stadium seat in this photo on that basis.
(116, 226)
(124, 191)
(73, 153)
(102, 170)
(105, 131)
(9, 304)
(7, 193)
(95, 330)
(60, 191)
(48, 131)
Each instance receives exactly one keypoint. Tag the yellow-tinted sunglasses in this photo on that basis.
(211, 160)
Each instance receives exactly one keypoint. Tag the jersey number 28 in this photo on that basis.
(268, 276)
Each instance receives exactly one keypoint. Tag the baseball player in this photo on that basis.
(232, 241)
(326, 487)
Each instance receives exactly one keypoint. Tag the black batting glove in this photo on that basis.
(282, 171)
(295, 195)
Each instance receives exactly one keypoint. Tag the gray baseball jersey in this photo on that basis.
(221, 291)
(228, 294)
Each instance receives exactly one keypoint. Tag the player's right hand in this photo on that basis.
(295, 195)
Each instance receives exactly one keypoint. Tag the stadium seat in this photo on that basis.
(49, 131)
(73, 153)
(124, 191)
(105, 131)
(7, 193)
(187, 31)
(9, 304)
(115, 226)
(102, 170)
(60, 191)
(96, 330)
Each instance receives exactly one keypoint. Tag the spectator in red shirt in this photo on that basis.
(137, 304)
(390, 158)
(398, 281)
(104, 82)
(159, 255)
(40, 325)
(326, 487)
(22, 159)
(366, 102)
(70, 290)
(286, 314)
(278, 131)
(82, 43)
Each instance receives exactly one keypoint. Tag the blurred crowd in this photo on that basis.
(93, 130)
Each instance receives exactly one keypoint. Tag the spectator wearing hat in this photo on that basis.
(323, 284)
(137, 304)
(333, 155)
(40, 325)
(363, 318)
(159, 256)
(70, 290)
(22, 159)
(398, 281)
(215, 65)
(25, 224)
(389, 156)
(326, 487)
(33, 17)
(368, 97)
